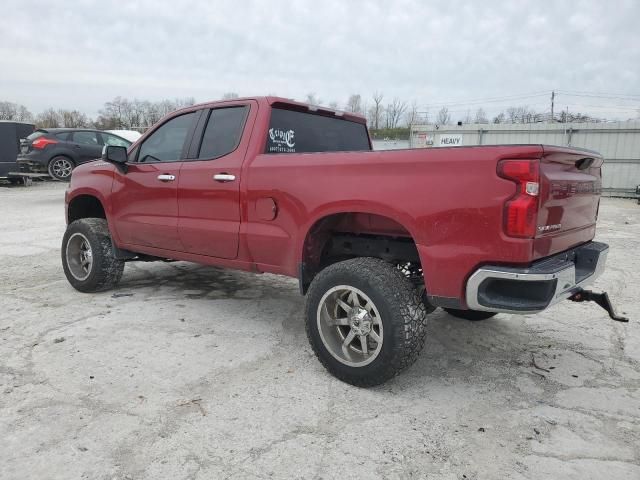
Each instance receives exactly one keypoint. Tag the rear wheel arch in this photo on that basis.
(383, 237)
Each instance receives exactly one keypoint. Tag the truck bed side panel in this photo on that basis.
(450, 200)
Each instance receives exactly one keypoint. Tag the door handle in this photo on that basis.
(224, 177)
(165, 177)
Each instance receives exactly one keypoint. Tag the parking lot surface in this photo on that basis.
(187, 372)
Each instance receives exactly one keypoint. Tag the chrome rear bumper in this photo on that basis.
(532, 289)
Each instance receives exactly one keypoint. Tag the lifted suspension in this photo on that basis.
(601, 299)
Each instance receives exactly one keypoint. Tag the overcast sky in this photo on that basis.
(79, 54)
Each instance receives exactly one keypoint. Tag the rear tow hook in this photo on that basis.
(601, 299)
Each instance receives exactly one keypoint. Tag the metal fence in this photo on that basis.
(619, 144)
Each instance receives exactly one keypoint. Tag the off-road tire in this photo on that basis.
(52, 171)
(106, 270)
(402, 313)
(472, 315)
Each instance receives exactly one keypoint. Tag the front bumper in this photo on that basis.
(532, 289)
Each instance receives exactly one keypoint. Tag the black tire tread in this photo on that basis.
(108, 270)
(404, 299)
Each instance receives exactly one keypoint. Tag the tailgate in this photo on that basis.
(570, 184)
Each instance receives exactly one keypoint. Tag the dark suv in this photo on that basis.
(57, 151)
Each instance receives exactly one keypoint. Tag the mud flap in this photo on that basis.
(601, 299)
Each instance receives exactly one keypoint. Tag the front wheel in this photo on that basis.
(365, 321)
(60, 168)
(87, 256)
(472, 315)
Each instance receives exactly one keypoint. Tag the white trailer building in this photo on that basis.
(618, 142)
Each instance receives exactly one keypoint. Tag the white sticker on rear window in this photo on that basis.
(281, 141)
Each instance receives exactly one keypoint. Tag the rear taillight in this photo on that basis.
(521, 210)
(42, 142)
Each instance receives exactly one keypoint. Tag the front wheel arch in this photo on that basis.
(85, 206)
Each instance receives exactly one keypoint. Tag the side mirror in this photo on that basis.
(117, 155)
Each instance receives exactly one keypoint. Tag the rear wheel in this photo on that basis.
(87, 256)
(365, 321)
(60, 168)
(473, 315)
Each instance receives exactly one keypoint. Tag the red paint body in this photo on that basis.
(450, 201)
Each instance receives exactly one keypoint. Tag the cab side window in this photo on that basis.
(167, 142)
(223, 132)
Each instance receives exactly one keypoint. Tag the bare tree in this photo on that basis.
(311, 99)
(354, 104)
(500, 118)
(412, 115)
(376, 110)
(73, 119)
(443, 117)
(62, 118)
(394, 112)
(113, 113)
(14, 111)
(48, 119)
(122, 113)
(566, 117)
(8, 111)
(230, 96)
(333, 105)
(481, 116)
(512, 114)
(24, 115)
(522, 114)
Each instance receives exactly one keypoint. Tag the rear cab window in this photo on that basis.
(292, 131)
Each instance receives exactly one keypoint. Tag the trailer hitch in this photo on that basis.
(601, 299)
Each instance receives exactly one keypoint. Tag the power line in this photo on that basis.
(506, 98)
(620, 96)
(611, 107)
(555, 94)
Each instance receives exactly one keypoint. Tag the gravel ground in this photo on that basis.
(193, 372)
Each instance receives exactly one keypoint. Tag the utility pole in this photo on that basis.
(553, 96)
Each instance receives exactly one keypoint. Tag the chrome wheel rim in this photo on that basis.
(61, 168)
(350, 326)
(79, 256)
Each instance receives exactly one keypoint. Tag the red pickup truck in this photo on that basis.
(376, 239)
